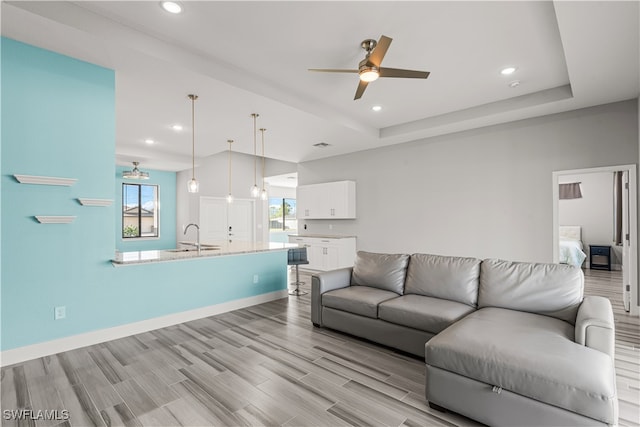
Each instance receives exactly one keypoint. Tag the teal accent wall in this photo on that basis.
(166, 182)
(59, 120)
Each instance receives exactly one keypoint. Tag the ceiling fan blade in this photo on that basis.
(361, 87)
(398, 72)
(329, 70)
(381, 49)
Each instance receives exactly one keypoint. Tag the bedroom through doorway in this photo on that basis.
(595, 223)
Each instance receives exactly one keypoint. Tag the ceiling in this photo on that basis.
(244, 57)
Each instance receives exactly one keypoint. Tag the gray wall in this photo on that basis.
(483, 193)
(593, 212)
(213, 175)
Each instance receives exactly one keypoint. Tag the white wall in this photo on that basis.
(282, 192)
(483, 193)
(593, 212)
(212, 173)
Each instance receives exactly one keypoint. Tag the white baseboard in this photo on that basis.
(33, 351)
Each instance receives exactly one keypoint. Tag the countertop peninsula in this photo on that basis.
(322, 236)
(213, 249)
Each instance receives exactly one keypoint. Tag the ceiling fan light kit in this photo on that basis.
(135, 173)
(369, 69)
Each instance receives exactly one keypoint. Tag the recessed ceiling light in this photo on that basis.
(508, 70)
(176, 127)
(514, 83)
(171, 6)
(149, 141)
(376, 108)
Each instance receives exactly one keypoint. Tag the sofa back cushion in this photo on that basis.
(382, 271)
(446, 277)
(554, 290)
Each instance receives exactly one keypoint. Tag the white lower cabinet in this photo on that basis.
(327, 253)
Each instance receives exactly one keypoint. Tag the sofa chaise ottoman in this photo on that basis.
(534, 353)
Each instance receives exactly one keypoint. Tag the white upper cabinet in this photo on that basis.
(330, 200)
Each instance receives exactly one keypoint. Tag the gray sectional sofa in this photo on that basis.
(505, 343)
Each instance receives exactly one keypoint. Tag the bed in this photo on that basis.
(571, 248)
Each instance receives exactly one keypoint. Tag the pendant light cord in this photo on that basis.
(230, 141)
(262, 130)
(193, 136)
(255, 153)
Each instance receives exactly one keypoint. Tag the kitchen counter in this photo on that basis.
(322, 236)
(208, 250)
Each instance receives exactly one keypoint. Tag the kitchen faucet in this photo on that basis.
(197, 235)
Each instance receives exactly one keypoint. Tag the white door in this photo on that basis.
(221, 221)
(240, 220)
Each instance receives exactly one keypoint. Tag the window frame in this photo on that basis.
(284, 216)
(140, 235)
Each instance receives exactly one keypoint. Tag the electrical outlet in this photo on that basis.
(256, 279)
(59, 312)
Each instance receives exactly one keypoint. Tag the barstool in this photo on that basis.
(297, 256)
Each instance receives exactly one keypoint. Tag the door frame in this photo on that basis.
(632, 268)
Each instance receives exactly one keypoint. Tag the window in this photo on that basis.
(139, 211)
(282, 214)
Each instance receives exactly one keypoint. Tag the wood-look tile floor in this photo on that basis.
(263, 365)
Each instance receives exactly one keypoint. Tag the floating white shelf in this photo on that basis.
(45, 180)
(95, 202)
(55, 219)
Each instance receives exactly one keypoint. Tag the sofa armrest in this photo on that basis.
(325, 282)
(595, 326)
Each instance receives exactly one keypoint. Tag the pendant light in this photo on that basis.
(193, 185)
(255, 191)
(230, 196)
(263, 193)
(135, 173)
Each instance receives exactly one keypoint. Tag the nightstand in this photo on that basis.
(600, 257)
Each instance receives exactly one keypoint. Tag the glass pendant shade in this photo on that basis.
(229, 198)
(193, 185)
(255, 191)
(263, 194)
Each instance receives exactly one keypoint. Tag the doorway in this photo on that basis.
(220, 220)
(625, 252)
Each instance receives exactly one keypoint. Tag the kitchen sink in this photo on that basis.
(206, 248)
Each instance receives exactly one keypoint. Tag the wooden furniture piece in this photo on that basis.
(600, 257)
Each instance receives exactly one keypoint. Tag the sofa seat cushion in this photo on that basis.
(361, 300)
(423, 313)
(531, 355)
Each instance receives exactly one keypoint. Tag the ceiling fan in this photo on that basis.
(369, 68)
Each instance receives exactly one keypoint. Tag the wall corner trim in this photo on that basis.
(34, 351)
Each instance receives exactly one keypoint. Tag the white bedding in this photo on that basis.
(571, 252)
